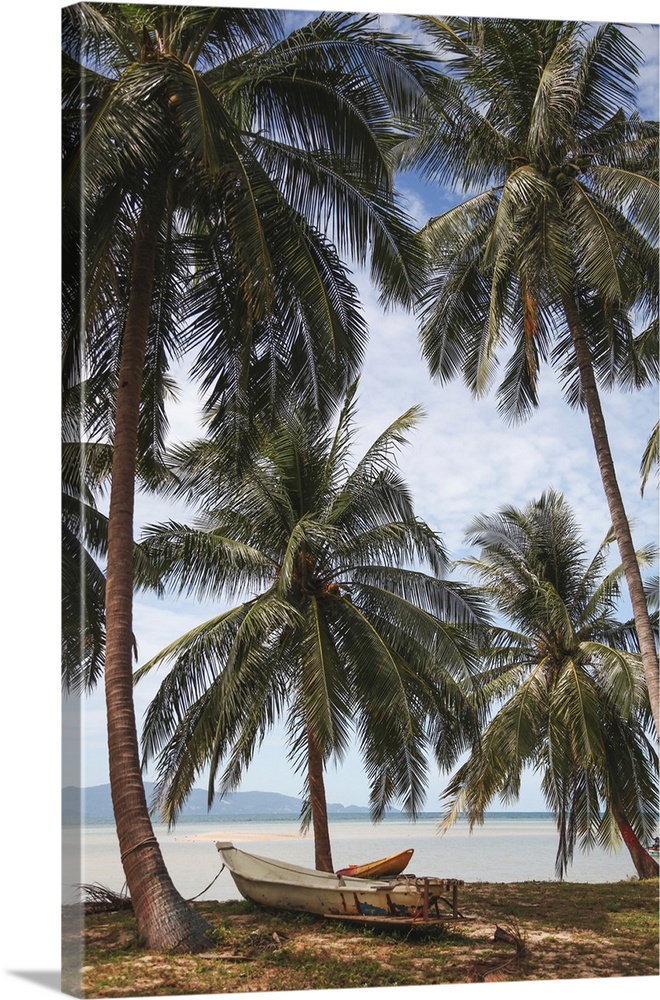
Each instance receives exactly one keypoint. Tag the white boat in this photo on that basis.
(280, 885)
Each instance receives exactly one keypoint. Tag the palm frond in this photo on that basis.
(650, 457)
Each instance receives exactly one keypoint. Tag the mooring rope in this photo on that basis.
(193, 898)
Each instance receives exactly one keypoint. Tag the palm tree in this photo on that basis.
(553, 256)
(566, 683)
(650, 457)
(205, 156)
(346, 634)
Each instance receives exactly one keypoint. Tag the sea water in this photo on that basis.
(509, 847)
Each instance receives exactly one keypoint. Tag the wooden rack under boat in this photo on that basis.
(428, 912)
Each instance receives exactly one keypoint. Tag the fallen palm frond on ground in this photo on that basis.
(98, 898)
(522, 931)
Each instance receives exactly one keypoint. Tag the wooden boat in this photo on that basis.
(383, 868)
(280, 885)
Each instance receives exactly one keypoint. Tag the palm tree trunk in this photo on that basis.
(645, 865)
(165, 921)
(322, 851)
(617, 510)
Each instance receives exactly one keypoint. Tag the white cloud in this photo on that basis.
(413, 203)
(464, 459)
(645, 36)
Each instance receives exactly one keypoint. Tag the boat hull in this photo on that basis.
(333, 900)
(277, 885)
(387, 867)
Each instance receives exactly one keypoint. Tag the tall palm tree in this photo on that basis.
(205, 158)
(553, 256)
(347, 633)
(567, 685)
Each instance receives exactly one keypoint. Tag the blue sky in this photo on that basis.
(461, 460)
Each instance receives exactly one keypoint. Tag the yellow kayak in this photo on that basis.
(383, 868)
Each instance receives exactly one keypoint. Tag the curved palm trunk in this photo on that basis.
(164, 919)
(617, 510)
(322, 852)
(645, 865)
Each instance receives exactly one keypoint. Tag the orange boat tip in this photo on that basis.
(390, 866)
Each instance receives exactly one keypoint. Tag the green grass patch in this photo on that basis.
(568, 930)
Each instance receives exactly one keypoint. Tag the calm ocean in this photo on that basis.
(509, 847)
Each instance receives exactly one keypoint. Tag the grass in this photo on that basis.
(555, 931)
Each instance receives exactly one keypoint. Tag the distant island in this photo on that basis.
(93, 805)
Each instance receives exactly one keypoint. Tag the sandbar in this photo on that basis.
(235, 833)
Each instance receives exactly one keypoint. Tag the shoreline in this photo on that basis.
(511, 851)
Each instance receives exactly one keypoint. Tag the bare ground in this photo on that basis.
(545, 930)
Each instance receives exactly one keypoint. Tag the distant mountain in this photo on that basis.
(95, 804)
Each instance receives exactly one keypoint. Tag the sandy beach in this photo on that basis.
(566, 932)
(232, 833)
